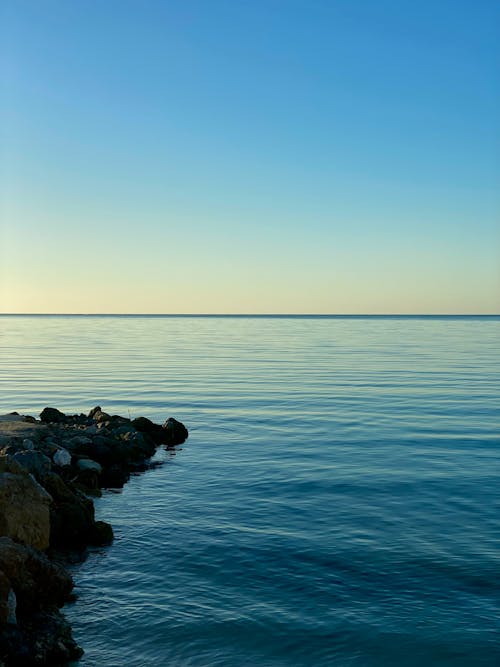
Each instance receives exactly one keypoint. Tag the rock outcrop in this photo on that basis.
(49, 471)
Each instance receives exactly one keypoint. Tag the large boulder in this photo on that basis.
(33, 631)
(71, 514)
(52, 416)
(34, 462)
(35, 580)
(24, 506)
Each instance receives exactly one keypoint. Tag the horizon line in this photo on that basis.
(283, 315)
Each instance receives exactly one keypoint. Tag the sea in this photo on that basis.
(337, 502)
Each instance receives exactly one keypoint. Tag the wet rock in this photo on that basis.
(35, 580)
(145, 425)
(114, 477)
(175, 433)
(44, 640)
(52, 416)
(102, 533)
(24, 507)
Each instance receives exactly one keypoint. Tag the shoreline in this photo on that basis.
(50, 469)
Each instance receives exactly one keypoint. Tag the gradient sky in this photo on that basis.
(265, 156)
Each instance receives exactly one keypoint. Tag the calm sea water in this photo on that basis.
(337, 502)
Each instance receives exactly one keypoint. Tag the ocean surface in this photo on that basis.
(337, 503)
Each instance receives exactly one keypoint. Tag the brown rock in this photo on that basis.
(24, 507)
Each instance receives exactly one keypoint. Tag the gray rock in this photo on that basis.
(12, 417)
(88, 464)
(80, 441)
(34, 462)
(62, 457)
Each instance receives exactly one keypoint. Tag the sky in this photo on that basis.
(260, 156)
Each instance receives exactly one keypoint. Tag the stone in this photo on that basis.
(101, 416)
(62, 457)
(7, 600)
(35, 463)
(175, 433)
(94, 411)
(24, 509)
(34, 579)
(11, 417)
(145, 425)
(52, 416)
(71, 515)
(88, 464)
(80, 442)
(101, 534)
(28, 444)
(114, 477)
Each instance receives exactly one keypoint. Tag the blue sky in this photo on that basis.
(265, 156)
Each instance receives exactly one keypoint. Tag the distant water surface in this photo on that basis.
(337, 503)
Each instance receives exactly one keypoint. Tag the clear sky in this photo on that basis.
(257, 156)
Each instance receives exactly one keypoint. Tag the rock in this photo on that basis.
(9, 464)
(12, 417)
(7, 600)
(114, 477)
(175, 433)
(172, 432)
(30, 419)
(102, 533)
(35, 580)
(88, 464)
(88, 473)
(44, 640)
(34, 462)
(24, 509)
(62, 457)
(80, 442)
(101, 416)
(145, 425)
(71, 516)
(52, 415)
(94, 411)
(28, 444)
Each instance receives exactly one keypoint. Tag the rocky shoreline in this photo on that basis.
(50, 468)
